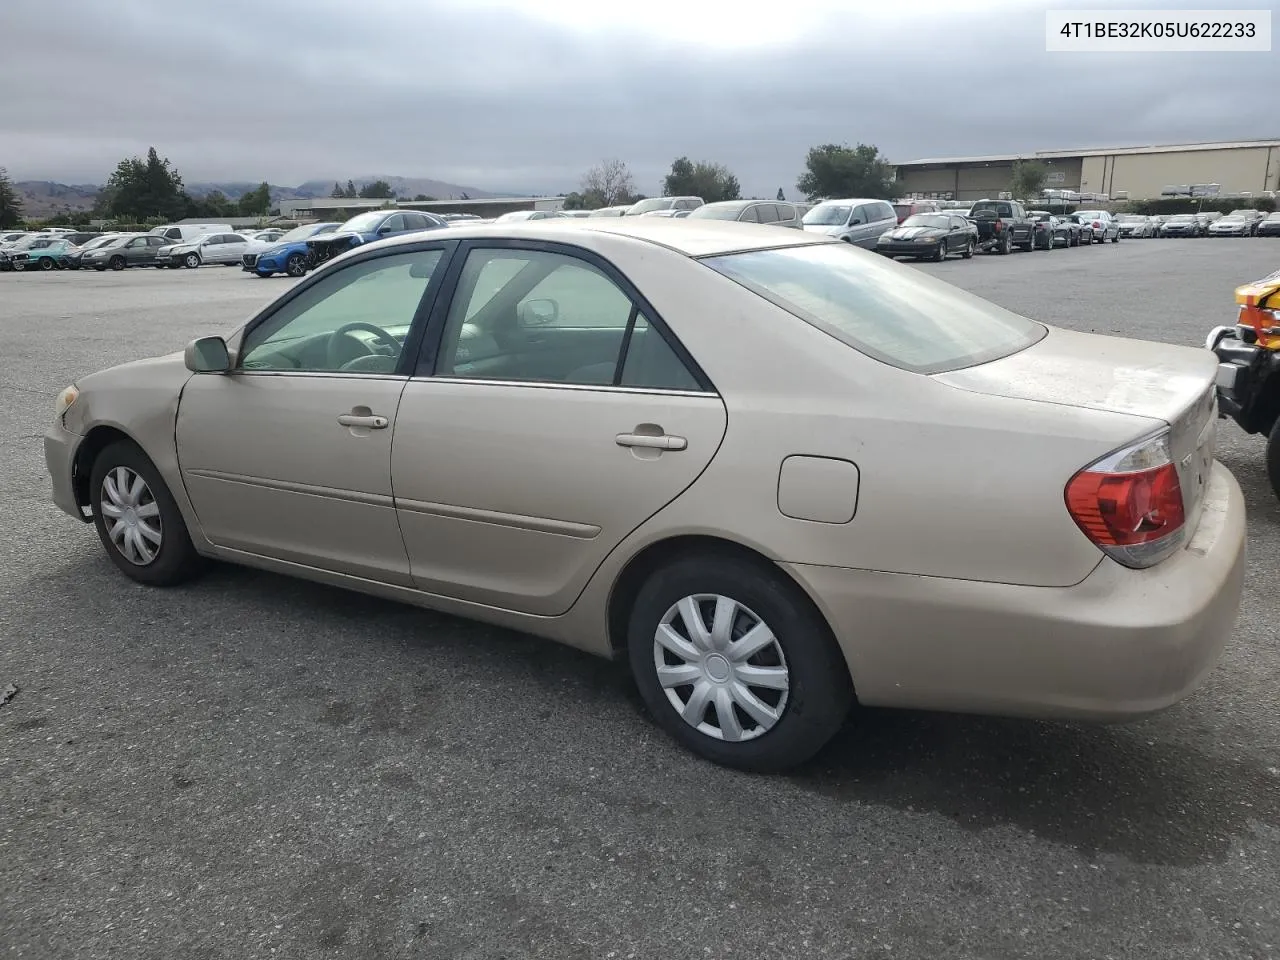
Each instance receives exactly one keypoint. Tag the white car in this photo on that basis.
(225, 248)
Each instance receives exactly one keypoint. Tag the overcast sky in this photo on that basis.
(503, 94)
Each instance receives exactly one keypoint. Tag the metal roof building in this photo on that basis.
(340, 208)
(1240, 166)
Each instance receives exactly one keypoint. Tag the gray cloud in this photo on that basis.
(495, 98)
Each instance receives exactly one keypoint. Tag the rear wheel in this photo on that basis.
(137, 519)
(968, 249)
(735, 663)
(1005, 246)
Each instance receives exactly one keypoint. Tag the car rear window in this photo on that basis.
(894, 313)
(992, 206)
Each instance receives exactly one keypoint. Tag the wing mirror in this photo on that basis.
(207, 355)
(538, 313)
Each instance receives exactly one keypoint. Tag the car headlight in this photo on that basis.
(926, 239)
(272, 252)
(64, 401)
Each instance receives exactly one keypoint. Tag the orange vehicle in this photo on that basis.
(1249, 366)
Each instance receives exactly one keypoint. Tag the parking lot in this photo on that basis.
(255, 766)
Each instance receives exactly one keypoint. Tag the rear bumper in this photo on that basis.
(1119, 645)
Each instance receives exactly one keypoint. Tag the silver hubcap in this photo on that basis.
(131, 516)
(721, 667)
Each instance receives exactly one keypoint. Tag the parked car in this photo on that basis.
(929, 236)
(288, 254)
(47, 256)
(1182, 225)
(1270, 227)
(759, 547)
(1250, 214)
(1048, 231)
(75, 260)
(909, 208)
(186, 232)
(616, 211)
(11, 237)
(1002, 225)
(219, 248)
(856, 221)
(1136, 226)
(1232, 226)
(774, 213)
(662, 203)
(366, 228)
(129, 250)
(516, 215)
(670, 213)
(269, 235)
(1074, 228)
(1102, 224)
(19, 249)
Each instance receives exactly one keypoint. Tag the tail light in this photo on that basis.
(1129, 503)
(999, 226)
(1097, 224)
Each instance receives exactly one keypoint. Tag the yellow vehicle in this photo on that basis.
(1249, 366)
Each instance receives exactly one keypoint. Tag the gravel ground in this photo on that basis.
(254, 767)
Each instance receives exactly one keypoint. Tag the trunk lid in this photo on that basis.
(1158, 382)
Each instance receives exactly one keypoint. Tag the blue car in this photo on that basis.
(366, 228)
(286, 255)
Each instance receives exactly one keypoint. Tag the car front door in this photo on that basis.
(288, 456)
(555, 415)
(137, 251)
(231, 248)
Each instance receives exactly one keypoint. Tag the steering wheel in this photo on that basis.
(336, 353)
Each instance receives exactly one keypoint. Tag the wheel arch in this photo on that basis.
(94, 442)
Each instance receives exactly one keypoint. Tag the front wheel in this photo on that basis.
(296, 265)
(941, 253)
(191, 260)
(117, 263)
(137, 519)
(46, 263)
(734, 662)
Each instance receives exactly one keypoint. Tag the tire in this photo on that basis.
(941, 253)
(45, 263)
(1273, 457)
(968, 250)
(117, 263)
(191, 261)
(818, 692)
(1005, 246)
(1115, 239)
(296, 265)
(174, 560)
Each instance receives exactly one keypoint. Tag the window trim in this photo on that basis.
(429, 352)
(417, 326)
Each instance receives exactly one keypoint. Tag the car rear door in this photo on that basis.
(232, 248)
(552, 413)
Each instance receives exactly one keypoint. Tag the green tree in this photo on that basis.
(710, 181)
(142, 189)
(10, 202)
(257, 202)
(422, 197)
(607, 184)
(838, 170)
(378, 190)
(780, 195)
(1027, 179)
(337, 191)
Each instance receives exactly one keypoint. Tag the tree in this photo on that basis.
(378, 190)
(780, 196)
(256, 203)
(838, 170)
(10, 202)
(337, 191)
(1028, 179)
(607, 184)
(422, 197)
(710, 181)
(141, 189)
(350, 191)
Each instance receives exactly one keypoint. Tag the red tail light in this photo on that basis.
(999, 226)
(1097, 224)
(1129, 503)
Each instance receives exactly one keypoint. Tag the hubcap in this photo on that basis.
(721, 667)
(131, 516)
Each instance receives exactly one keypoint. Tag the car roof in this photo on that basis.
(692, 238)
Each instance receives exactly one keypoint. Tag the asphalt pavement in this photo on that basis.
(253, 766)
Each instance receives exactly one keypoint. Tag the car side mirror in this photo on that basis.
(207, 355)
(538, 313)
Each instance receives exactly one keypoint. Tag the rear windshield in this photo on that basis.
(894, 313)
(992, 206)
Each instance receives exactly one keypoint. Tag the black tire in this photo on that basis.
(1273, 457)
(296, 265)
(1115, 239)
(46, 263)
(819, 693)
(176, 560)
(191, 261)
(117, 263)
(968, 250)
(1005, 246)
(941, 253)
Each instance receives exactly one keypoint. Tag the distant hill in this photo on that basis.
(44, 198)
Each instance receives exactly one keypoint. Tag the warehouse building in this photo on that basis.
(1134, 173)
(340, 208)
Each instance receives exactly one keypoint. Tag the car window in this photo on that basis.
(895, 314)
(384, 293)
(540, 316)
(786, 211)
(155, 241)
(393, 223)
(749, 215)
(415, 221)
(959, 223)
(138, 242)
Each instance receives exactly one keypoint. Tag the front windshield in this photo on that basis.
(827, 215)
(1131, 218)
(653, 203)
(303, 232)
(363, 223)
(1182, 218)
(893, 313)
(1242, 213)
(926, 220)
(97, 242)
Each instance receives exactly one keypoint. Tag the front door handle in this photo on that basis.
(652, 442)
(371, 422)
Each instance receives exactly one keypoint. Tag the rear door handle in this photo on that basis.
(663, 442)
(355, 420)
